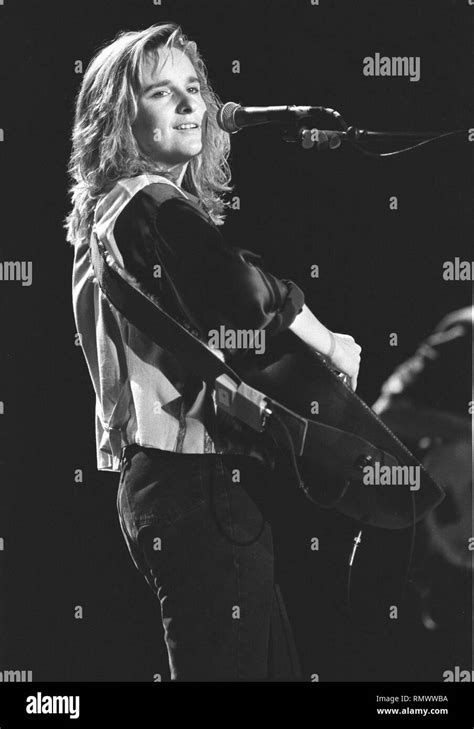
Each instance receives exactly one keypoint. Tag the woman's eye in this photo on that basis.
(195, 89)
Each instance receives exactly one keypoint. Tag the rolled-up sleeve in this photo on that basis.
(212, 282)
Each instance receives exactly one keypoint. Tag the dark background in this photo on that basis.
(380, 272)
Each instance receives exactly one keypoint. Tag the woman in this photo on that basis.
(150, 172)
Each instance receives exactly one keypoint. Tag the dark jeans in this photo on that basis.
(200, 540)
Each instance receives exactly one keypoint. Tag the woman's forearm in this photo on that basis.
(311, 331)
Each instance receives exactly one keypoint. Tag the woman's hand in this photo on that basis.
(340, 350)
(344, 355)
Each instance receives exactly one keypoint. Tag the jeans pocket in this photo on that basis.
(162, 487)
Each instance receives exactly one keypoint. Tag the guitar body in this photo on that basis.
(301, 381)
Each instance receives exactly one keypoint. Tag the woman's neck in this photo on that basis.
(176, 174)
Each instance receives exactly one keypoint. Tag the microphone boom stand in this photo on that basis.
(332, 139)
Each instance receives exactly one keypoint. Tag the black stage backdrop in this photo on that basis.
(380, 272)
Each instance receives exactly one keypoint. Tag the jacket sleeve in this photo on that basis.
(201, 275)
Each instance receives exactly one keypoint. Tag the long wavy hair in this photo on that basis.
(104, 149)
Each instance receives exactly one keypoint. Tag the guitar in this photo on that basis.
(273, 392)
(337, 438)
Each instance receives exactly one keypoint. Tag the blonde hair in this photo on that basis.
(104, 149)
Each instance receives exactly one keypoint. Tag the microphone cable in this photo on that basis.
(351, 138)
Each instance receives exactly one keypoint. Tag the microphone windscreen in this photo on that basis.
(225, 117)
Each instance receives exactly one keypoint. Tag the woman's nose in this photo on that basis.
(187, 103)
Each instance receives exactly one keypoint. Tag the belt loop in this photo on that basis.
(128, 451)
(122, 456)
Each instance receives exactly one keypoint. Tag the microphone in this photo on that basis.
(231, 116)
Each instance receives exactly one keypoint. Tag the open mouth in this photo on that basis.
(187, 126)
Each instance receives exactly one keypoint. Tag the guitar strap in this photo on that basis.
(145, 313)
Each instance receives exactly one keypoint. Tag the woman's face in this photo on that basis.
(170, 97)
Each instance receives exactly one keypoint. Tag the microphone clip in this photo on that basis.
(307, 138)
